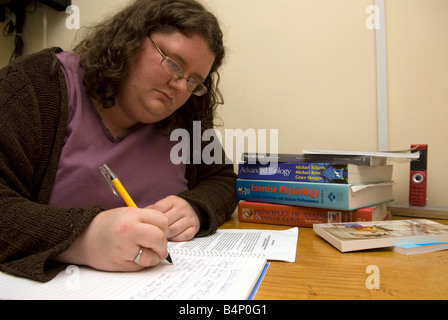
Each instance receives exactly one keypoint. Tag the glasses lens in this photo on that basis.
(199, 89)
(172, 68)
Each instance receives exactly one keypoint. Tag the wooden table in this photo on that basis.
(322, 272)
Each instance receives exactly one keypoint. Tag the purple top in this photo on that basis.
(141, 159)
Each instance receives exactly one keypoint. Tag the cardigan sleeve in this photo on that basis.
(213, 197)
(211, 192)
(32, 128)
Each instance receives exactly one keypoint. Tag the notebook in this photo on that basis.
(229, 264)
(195, 275)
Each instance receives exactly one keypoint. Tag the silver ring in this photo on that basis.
(139, 255)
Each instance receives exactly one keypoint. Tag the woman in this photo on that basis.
(148, 70)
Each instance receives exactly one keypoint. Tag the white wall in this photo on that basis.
(308, 69)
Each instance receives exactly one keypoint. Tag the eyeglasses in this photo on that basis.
(175, 71)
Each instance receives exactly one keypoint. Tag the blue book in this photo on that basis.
(320, 195)
(315, 172)
(421, 248)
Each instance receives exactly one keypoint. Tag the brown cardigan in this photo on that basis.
(33, 116)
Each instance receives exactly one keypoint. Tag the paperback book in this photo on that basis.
(381, 234)
(320, 195)
(403, 154)
(299, 216)
(411, 249)
(316, 172)
(263, 158)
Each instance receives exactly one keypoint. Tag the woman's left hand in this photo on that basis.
(183, 222)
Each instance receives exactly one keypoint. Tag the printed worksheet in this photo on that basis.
(278, 245)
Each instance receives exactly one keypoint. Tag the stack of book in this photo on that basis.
(318, 186)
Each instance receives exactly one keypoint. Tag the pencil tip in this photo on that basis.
(168, 258)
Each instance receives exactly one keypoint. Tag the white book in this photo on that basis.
(378, 154)
(353, 236)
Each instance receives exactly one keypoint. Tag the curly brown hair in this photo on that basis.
(111, 45)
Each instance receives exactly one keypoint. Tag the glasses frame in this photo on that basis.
(194, 86)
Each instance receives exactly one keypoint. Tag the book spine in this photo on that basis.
(303, 172)
(320, 195)
(308, 158)
(298, 216)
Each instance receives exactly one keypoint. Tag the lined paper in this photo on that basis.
(194, 276)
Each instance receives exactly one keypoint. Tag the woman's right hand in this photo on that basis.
(114, 238)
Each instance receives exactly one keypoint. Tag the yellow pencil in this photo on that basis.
(116, 186)
(123, 193)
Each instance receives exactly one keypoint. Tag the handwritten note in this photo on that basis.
(203, 276)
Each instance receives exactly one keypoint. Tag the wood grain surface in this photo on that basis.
(322, 272)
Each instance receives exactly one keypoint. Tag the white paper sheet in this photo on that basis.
(278, 245)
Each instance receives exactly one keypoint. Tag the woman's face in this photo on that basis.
(149, 94)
